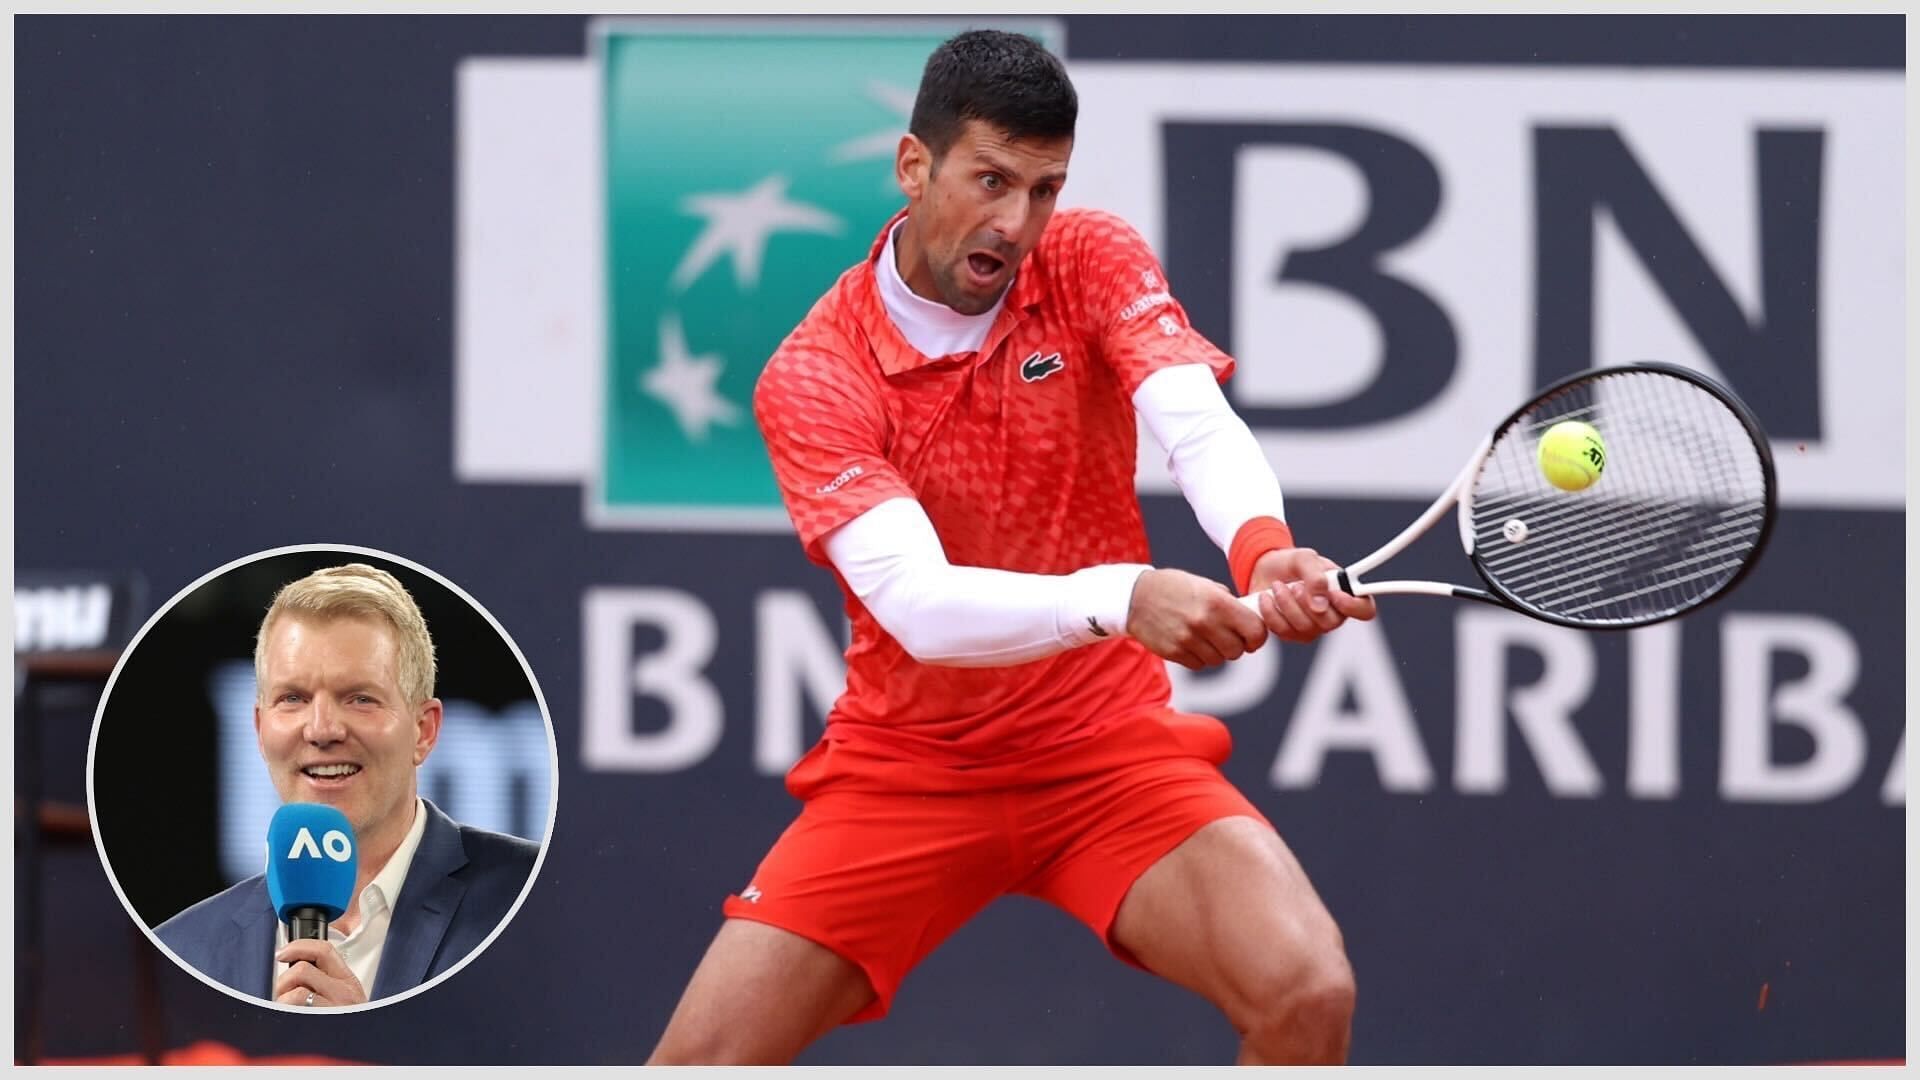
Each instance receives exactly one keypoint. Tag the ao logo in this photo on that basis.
(333, 842)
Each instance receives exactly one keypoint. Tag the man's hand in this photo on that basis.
(319, 968)
(1295, 598)
(1191, 621)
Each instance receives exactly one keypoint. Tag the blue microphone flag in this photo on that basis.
(311, 860)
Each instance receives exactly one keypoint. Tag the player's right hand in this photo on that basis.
(1190, 620)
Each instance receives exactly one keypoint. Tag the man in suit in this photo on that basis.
(345, 715)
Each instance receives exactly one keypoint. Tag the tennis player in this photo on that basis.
(953, 429)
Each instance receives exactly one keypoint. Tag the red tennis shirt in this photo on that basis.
(1022, 455)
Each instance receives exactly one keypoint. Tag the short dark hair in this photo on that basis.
(1008, 80)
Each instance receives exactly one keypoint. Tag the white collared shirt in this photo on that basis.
(930, 326)
(362, 948)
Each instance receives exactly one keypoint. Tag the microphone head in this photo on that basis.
(311, 860)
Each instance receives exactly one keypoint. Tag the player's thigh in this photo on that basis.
(1230, 914)
(875, 880)
(760, 996)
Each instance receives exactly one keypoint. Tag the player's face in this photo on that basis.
(978, 210)
(334, 727)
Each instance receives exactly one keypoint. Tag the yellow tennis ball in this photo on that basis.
(1572, 455)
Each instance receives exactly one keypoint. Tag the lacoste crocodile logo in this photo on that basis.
(1037, 367)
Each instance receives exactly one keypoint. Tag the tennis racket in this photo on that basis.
(1680, 512)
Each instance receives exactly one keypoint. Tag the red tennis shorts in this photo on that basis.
(882, 878)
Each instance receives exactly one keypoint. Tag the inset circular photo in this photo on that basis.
(322, 778)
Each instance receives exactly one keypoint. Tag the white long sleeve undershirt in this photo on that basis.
(971, 616)
(968, 616)
(1216, 462)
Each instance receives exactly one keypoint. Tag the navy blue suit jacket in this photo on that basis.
(461, 885)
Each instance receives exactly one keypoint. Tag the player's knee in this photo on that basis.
(1307, 1001)
(1324, 1000)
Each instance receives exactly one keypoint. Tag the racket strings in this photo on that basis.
(1677, 511)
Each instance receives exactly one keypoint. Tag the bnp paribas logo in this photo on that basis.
(746, 166)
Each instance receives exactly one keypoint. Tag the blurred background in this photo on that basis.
(449, 287)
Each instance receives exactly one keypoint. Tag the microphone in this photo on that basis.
(311, 862)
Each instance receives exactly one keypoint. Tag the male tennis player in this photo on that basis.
(953, 428)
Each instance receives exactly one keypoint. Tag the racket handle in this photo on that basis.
(1337, 581)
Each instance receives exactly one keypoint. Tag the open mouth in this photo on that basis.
(984, 266)
(334, 773)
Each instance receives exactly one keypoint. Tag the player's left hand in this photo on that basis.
(317, 967)
(1295, 599)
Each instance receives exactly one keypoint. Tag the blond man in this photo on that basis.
(345, 715)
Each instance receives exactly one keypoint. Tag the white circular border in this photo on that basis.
(553, 782)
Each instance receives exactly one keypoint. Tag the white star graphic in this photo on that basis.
(740, 224)
(684, 383)
(880, 144)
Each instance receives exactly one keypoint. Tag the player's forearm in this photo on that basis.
(969, 616)
(1214, 458)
